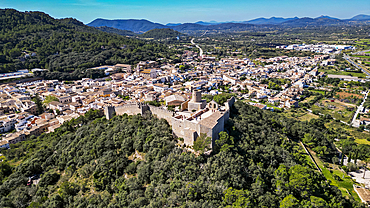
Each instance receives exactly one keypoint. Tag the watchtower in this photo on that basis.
(197, 96)
(109, 112)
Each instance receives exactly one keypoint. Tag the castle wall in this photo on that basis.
(161, 113)
(230, 102)
(185, 129)
(184, 105)
(197, 105)
(129, 109)
(109, 111)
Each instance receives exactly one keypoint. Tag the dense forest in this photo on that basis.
(134, 161)
(36, 40)
(116, 31)
(161, 34)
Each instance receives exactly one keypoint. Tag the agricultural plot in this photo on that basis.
(338, 110)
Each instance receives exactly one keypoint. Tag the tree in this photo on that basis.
(202, 143)
(235, 198)
(40, 107)
(224, 142)
(318, 202)
(289, 202)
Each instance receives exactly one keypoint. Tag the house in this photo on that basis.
(274, 100)
(4, 144)
(7, 125)
(32, 109)
(160, 87)
(364, 121)
(73, 106)
(15, 138)
(261, 106)
(54, 105)
(65, 99)
(291, 104)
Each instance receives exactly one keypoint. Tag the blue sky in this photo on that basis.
(173, 11)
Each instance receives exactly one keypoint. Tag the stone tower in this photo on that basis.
(196, 103)
(109, 112)
(197, 96)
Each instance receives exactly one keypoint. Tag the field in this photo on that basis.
(339, 72)
(345, 95)
(360, 137)
(300, 114)
(318, 91)
(336, 109)
(306, 100)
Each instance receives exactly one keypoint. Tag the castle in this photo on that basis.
(195, 118)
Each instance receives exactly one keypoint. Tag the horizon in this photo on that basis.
(194, 11)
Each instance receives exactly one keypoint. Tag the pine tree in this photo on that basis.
(40, 107)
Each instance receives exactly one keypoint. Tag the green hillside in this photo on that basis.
(133, 161)
(65, 44)
(116, 31)
(161, 34)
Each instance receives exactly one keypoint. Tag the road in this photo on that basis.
(359, 52)
(355, 122)
(200, 49)
(354, 64)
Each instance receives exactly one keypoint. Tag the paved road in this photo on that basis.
(355, 122)
(359, 52)
(200, 49)
(354, 64)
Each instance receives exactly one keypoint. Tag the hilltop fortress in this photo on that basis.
(195, 118)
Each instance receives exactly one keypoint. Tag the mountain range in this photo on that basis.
(141, 26)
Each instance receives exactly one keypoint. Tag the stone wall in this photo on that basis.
(161, 113)
(183, 128)
(129, 109)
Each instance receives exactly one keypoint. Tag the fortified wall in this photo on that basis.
(138, 108)
(210, 119)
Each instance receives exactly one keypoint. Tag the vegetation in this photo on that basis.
(38, 102)
(50, 98)
(35, 40)
(161, 34)
(132, 161)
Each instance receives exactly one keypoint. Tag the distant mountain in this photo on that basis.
(116, 31)
(173, 24)
(306, 21)
(137, 26)
(161, 33)
(272, 20)
(207, 23)
(142, 26)
(360, 17)
(326, 17)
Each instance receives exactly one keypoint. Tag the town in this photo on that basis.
(271, 84)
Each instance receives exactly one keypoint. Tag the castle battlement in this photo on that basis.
(209, 120)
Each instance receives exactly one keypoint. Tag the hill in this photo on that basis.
(137, 26)
(272, 20)
(116, 31)
(65, 45)
(161, 34)
(306, 21)
(133, 161)
(360, 17)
